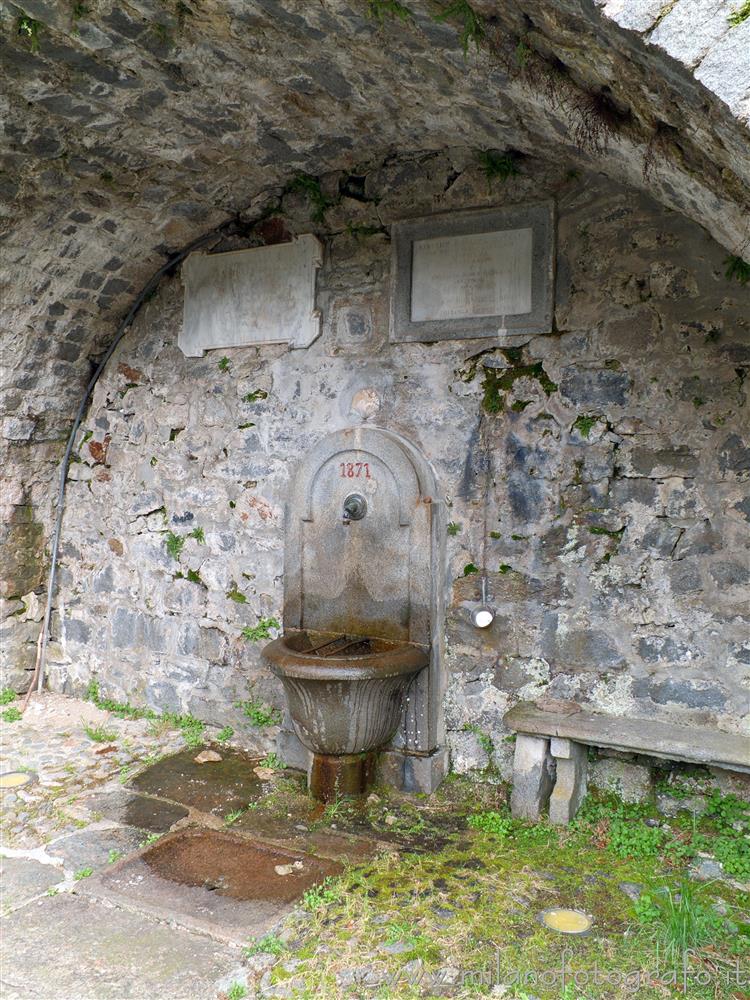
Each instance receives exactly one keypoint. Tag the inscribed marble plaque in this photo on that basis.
(265, 295)
(473, 274)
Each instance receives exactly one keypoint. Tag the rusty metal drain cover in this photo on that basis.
(211, 881)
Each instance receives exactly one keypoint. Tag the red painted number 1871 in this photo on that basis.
(354, 470)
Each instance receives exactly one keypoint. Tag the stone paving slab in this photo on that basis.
(344, 847)
(74, 948)
(143, 812)
(23, 880)
(217, 787)
(211, 882)
(91, 848)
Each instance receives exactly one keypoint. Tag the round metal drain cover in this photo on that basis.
(566, 921)
(14, 779)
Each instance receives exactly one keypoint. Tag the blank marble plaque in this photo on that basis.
(473, 274)
(247, 297)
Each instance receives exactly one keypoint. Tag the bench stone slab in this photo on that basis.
(551, 758)
(692, 744)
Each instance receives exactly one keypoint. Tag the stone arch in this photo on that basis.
(111, 168)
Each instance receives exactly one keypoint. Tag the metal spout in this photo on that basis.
(355, 508)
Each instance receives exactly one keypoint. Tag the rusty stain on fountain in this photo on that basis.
(360, 657)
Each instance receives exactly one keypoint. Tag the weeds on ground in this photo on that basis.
(273, 761)
(11, 714)
(681, 921)
(329, 891)
(191, 728)
(269, 944)
(99, 734)
(258, 713)
(494, 823)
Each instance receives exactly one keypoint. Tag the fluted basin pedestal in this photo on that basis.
(346, 695)
(335, 776)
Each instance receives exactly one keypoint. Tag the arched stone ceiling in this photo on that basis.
(132, 127)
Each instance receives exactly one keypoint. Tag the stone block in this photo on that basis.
(414, 772)
(724, 68)
(18, 429)
(691, 28)
(291, 751)
(632, 782)
(466, 752)
(570, 786)
(595, 387)
(533, 777)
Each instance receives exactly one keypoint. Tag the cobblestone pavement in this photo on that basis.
(57, 943)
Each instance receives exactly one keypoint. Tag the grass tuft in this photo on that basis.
(681, 921)
(737, 267)
(262, 630)
(741, 14)
(99, 734)
(498, 166)
(378, 10)
(472, 30)
(258, 712)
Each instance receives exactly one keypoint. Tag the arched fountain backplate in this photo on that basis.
(376, 571)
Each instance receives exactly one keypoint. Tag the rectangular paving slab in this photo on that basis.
(217, 787)
(212, 882)
(23, 880)
(94, 848)
(124, 806)
(73, 948)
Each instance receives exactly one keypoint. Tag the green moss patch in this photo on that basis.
(497, 382)
(460, 886)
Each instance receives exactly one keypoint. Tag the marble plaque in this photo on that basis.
(247, 297)
(473, 274)
(489, 274)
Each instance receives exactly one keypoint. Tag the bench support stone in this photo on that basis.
(533, 777)
(570, 787)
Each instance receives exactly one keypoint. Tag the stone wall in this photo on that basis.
(131, 129)
(609, 461)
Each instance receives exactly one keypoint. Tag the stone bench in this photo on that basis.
(551, 757)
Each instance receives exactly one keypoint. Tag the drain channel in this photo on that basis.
(354, 645)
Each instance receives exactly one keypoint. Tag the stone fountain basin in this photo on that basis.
(346, 694)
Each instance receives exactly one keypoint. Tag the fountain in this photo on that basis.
(361, 654)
